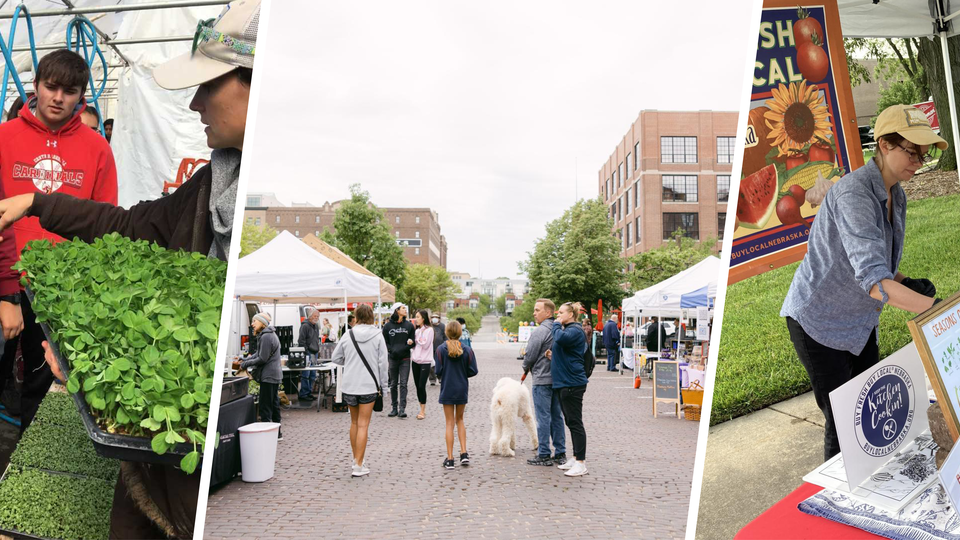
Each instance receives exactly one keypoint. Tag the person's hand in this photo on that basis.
(11, 318)
(52, 362)
(409, 342)
(549, 354)
(13, 209)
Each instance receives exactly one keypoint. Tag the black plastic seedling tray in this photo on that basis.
(109, 445)
(234, 388)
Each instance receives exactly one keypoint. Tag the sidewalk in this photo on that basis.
(754, 461)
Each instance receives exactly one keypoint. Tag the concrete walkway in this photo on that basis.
(761, 458)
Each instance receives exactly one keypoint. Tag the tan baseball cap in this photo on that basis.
(910, 123)
(220, 46)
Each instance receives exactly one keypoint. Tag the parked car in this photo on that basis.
(866, 136)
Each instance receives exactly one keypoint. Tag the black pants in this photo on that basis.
(399, 372)
(270, 402)
(571, 401)
(828, 370)
(421, 372)
(37, 376)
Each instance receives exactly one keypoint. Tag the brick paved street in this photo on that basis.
(638, 484)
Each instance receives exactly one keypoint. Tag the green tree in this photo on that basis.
(578, 259)
(426, 287)
(501, 304)
(361, 232)
(483, 305)
(522, 313)
(253, 237)
(655, 265)
(469, 315)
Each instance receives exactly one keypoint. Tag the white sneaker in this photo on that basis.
(568, 465)
(579, 469)
(360, 470)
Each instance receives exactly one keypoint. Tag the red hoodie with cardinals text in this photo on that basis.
(74, 160)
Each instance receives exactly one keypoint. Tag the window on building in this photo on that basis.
(688, 221)
(397, 219)
(723, 188)
(616, 180)
(256, 222)
(678, 149)
(316, 233)
(620, 210)
(620, 173)
(418, 220)
(613, 211)
(296, 233)
(316, 219)
(629, 237)
(397, 233)
(629, 164)
(296, 219)
(416, 251)
(609, 189)
(636, 153)
(721, 225)
(679, 188)
(636, 191)
(725, 149)
(627, 202)
(278, 218)
(636, 231)
(253, 200)
(417, 234)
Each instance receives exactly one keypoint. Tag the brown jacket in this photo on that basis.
(177, 221)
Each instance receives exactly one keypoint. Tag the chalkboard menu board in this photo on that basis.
(666, 384)
(936, 333)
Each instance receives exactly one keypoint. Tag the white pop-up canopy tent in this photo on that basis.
(906, 19)
(285, 270)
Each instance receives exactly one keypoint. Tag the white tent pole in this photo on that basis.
(951, 98)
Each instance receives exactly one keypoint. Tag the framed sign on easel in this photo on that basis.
(936, 333)
(666, 384)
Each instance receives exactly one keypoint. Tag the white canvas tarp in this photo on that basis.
(669, 295)
(286, 270)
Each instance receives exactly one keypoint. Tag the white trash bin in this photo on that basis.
(258, 450)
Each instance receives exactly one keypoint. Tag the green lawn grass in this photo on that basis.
(757, 365)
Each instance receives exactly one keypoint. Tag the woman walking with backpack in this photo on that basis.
(422, 358)
(363, 354)
(455, 364)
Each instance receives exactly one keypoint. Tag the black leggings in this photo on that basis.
(828, 370)
(571, 401)
(270, 402)
(421, 372)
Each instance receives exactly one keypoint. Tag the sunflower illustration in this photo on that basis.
(797, 116)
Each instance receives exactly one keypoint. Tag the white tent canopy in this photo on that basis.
(286, 270)
(906, 19)
(685, 290)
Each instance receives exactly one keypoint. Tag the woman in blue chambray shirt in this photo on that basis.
(851, 268)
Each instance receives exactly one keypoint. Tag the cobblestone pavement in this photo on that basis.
(638, 485)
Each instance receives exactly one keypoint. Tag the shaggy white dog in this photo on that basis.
(510, 400)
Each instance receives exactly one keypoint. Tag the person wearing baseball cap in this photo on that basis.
(158, 501)
(851, 270)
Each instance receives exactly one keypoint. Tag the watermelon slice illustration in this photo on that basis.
(758, 198)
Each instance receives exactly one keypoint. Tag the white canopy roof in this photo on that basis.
(286, 270)
(687, 289)
(893, 18)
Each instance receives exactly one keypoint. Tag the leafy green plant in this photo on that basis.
(138, 324)
(63, 449)
(54, 505)
(58, 409)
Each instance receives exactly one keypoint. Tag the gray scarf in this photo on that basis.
(225, 168)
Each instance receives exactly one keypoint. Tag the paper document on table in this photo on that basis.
(910, 471)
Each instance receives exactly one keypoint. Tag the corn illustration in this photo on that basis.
(807, 176)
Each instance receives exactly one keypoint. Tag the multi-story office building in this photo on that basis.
(417, 229)
(670, 171)
(471, 288)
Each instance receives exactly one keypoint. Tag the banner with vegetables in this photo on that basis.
(801, 135)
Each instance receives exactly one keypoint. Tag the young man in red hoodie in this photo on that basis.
(47, 149)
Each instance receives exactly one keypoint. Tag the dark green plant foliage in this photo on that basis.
(138, 324)
(55, 506)
(59, 409)
(63, 449)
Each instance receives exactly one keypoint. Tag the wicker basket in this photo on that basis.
(692, 413)
(693, 395)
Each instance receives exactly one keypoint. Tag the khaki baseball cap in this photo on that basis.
(220, 46)
(910, 123)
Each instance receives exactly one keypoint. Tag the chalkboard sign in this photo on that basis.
(666, 384)
(936, 333)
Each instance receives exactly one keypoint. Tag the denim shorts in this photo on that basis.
(353, 400)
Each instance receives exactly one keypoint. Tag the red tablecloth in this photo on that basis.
(783, 521)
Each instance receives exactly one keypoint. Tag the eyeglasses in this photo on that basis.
(915, 156)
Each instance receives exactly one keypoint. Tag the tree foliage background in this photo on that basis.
(578, 259)
(426, 287)
(253, 237)
(655, 265)
(362, 233)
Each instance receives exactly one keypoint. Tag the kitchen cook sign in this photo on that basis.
(801, 134)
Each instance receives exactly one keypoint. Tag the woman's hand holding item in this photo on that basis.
(901, 296)
(13, 209)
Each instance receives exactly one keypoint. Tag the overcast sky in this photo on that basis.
(497, 115)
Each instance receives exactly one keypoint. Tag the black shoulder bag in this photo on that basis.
(378, 404)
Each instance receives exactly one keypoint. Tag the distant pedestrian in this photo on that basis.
(422, 358)
(351, 320)
(327, 334)
(656, 335)
(108, 129)
(437, 340)
(398, 333)
(546, 402)
(611, 341)
(309, 339)
(267, 372)
(589, 361)
(465, 338)
(364, 364)
(570, 379)
(455, 364)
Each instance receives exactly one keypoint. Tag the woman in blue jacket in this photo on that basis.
(455, 364)
(570, 380)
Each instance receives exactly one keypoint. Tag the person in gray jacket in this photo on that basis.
(309, 339)
(360, 385)
(546, 403)
(269, 374)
